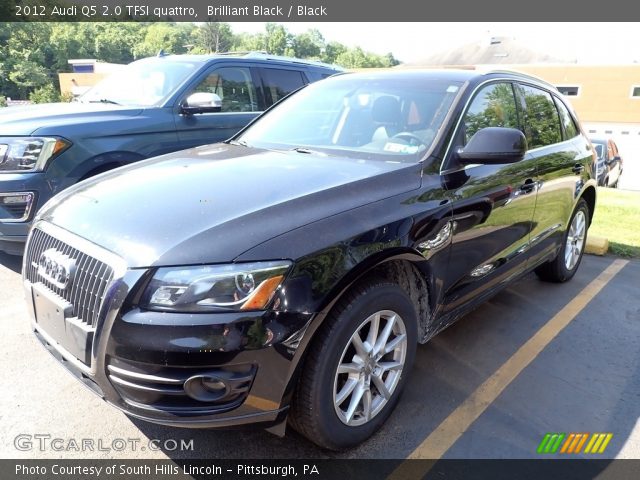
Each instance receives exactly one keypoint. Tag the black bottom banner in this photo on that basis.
(320, 469)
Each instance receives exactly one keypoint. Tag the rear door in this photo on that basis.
(492, 205)
(552, 139)
(279, 82)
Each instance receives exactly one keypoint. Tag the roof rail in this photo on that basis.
(522, 74)
(282, 58)
(241, 52)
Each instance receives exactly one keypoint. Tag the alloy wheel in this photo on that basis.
(370, 368)
(575, 240)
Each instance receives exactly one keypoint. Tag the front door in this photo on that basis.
(236, 88)
(492, 205)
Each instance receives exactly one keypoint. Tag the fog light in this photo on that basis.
(16, 206)
(213, 384)
(12, 199)
(206, 388)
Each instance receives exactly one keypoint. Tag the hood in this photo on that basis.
(48, 118)
(212, 203)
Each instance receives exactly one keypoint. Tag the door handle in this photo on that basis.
(577, 168)
(528, 186)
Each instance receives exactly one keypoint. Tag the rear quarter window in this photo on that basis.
(568, 124)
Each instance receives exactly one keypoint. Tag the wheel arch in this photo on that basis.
(104, 162)
(401, 265)
(589, 196)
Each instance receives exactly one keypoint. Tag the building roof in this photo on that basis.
(492, 50)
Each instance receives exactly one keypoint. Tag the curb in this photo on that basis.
(596, 245)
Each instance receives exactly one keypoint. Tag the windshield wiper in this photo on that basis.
(308, 151)
(242, 143)
(104, 100)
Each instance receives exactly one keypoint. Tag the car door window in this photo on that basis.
(234, 86)
(493, 106)
(541, 119)
(568, 125)
(279, 83)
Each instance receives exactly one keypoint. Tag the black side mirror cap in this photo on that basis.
(494, 145)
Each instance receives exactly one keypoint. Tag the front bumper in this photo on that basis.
(189, 370)
(14, 227)
(154, 371)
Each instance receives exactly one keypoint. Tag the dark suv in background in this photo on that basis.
(291, 271)
(151, 107)
(609, 163)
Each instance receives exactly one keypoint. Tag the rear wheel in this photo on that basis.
(566, 263)
(356, 367)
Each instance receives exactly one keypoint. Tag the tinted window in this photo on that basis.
(599, 150)
(569, 91)
(542, 123)
(493, 106)
(568, 125)
(279, 83)
(235, 88)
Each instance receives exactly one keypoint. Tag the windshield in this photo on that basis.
(388, 117)
(145, 82)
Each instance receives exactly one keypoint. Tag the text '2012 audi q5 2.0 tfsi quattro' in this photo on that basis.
(288, 274)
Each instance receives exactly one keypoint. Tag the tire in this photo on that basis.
(325, 407)
(564, 266)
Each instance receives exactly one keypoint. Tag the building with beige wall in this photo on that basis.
(599, 93)
(86, 73)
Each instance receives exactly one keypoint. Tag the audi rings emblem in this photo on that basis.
(56, 268)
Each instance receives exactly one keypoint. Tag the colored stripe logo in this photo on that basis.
(574, 442)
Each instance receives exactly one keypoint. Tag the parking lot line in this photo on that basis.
(454, 426)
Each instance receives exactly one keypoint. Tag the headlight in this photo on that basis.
(29, 154)
(242, 286)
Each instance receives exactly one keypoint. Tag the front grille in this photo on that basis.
(89, 285)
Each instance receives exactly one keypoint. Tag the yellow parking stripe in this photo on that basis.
(450, 430)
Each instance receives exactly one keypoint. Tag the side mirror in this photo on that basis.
(494, 145)
(201, 102)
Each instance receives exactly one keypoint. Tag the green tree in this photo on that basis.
(115, 42)
(169, 37)
(212, 37)
(332, 51)
(278, 39)
(309, 44)
(45, 94)
(246, 42)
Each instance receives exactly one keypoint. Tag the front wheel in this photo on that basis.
(356, 367)
(566, 263)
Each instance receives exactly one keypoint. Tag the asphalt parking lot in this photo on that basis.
(538, 358)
